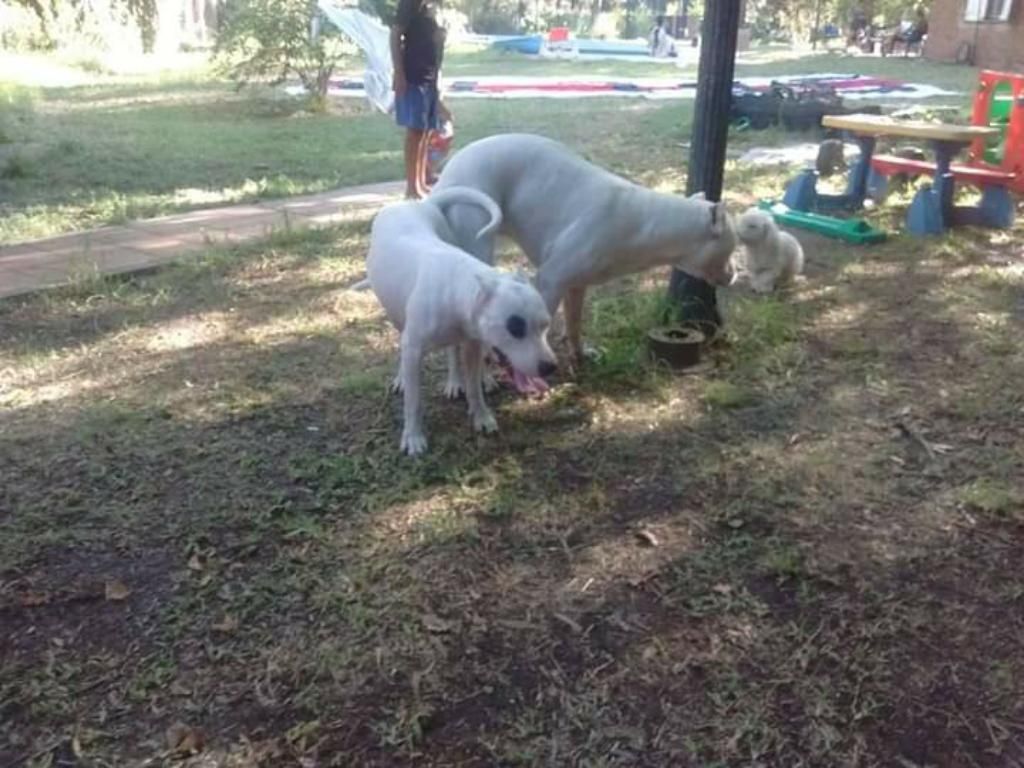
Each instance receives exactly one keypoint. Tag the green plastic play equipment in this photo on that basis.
(855, 231)
(999, 117)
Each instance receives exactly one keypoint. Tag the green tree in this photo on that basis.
(272, 41)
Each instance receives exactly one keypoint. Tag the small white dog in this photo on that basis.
(437, 295)
(774, 258)
(581, 225)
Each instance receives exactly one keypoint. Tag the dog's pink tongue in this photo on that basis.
(529, 385)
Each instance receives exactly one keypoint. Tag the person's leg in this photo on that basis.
(415, 180)
(413, 142)
(408, 112)
(431, 122)
(431, 170)
(421, 164)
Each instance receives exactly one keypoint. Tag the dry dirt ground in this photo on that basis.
(212, 554)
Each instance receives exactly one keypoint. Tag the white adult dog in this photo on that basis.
(774, 258)
(437, 295)
(581, 225)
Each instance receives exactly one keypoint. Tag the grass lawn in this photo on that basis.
(807, 556)
(118, 149)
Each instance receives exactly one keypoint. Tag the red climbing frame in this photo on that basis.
(1013, 151)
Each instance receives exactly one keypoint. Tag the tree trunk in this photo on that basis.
(212, 13)
(167, 26)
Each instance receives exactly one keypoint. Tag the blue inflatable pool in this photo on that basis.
(531, 44)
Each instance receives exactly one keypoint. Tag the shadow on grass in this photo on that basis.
(637, 571)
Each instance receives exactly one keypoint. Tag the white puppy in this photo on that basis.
(437, 296)
(774, 258)
(581, 225)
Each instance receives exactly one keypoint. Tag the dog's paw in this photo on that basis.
(413, 443)
(452, 389)
(490, 383)
(484, 421)
(579, 358)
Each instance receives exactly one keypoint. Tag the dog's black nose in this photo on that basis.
(547, 368)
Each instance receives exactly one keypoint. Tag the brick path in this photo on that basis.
(32, 266)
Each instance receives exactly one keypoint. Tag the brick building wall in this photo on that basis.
(998, 45)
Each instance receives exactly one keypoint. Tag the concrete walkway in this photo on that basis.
(32, 266)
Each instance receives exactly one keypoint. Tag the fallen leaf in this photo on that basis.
(116, 590)
(624, 733)
(227, 625)
(641, 579)
(722, 589)
(569, 623)
(299, 733)
(435, 623)
(31, 599)
(519, 626)
(647, 537)
(195, 564)
(185, 740)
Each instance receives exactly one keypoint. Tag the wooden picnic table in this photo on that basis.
(932, 211)
(880, 125)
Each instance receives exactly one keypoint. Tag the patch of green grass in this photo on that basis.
(17, 166)
(363, 382)
(108, 153)
(128, 148)
(725, 394)
(782, 561)
(618, 325)
(993, 497)
(760, 329)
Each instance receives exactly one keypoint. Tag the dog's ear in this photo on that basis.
(698, 196)
(719, 214)
(488, 284)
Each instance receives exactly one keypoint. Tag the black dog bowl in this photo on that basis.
(675, 346)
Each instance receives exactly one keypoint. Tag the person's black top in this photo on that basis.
(422, 41)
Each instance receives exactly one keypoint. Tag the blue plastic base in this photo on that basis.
(802, 193)
(925, 214)
(996, 209)
(878, 187)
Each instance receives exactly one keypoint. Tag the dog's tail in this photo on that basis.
(445, 197)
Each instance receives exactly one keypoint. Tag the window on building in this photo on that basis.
(988, 10)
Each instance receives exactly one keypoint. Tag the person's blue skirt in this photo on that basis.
(417, 108)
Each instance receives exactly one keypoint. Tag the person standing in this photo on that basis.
(417, 49)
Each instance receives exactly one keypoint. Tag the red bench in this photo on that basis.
(890, 165)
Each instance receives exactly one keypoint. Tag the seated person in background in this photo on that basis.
(910, 33)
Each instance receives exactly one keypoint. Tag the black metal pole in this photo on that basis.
(695, 300)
